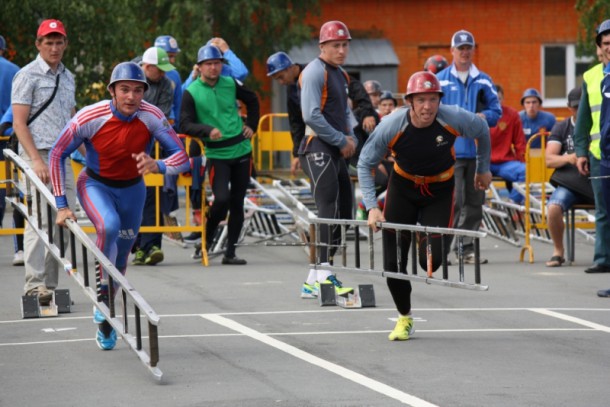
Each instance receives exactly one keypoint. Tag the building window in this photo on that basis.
(562, 70)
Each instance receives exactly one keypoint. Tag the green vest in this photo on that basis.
(593, 78)
(216, 106)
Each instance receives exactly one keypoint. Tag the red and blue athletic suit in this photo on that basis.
(420, 189)
(110, 190)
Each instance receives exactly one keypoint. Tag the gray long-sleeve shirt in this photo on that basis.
(432, 152)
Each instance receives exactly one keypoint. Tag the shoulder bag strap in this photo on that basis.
(48, 102)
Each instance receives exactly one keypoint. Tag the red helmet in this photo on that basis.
(334, 31)
(423, 82)
(435, 64)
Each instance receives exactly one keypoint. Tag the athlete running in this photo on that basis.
(420, 189)
(118, 135)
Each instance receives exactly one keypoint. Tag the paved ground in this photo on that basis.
(241, 336)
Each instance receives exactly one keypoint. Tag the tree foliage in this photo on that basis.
(102, 33)
(592, 13)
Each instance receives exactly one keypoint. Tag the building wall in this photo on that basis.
(509, 34)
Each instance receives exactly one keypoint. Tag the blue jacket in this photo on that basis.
(478, 95)
(544, 121)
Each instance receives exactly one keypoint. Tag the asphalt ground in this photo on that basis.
(242, 336)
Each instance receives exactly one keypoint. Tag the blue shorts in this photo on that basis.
(565, 198)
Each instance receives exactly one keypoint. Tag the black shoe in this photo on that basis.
(235, 261)
(598, 268)
(604, 293)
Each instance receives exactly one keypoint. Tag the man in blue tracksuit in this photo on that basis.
(464, 85)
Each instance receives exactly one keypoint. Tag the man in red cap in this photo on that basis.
(43, 101)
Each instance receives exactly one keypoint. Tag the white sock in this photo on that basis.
(323, 274)
(311, 278)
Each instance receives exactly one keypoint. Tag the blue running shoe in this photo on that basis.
(310, 291)
(98, 317)
(106, 342)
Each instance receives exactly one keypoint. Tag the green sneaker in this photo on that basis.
(155, 255)
(403, 329)
(139, 258)
(339, 289)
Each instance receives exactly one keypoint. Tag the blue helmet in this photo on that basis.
(604, 28)
(127, 71)
(531, 92)
(2, 43)
(208, 52)
(278, 62)
(167, 43)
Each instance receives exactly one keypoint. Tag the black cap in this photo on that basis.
(574, 97)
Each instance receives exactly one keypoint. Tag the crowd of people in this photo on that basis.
(427, 161)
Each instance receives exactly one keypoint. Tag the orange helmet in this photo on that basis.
(423, 82)
(334, 31)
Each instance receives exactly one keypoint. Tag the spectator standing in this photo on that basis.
(209, 112)
(587, 135)
(323, 154)
(233, 67)
(8, 70)
(155, 63)
(465, 85)
(604, 166)
(373, 88)
(170, 46)
(43, 82)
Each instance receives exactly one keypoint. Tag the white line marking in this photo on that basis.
(49, 330)
(312, 333)
(296, 312)
(314, 360)
(569, 318)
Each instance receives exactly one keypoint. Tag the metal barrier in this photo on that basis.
(91, 257)
(428, 278)
(152, 180)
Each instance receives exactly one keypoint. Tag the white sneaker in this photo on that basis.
(18, 259)
(469, 259)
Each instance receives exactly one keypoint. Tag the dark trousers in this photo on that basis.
(229, 180)
(332, 192)
(410, 204)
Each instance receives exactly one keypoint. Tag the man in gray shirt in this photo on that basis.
(33, 87)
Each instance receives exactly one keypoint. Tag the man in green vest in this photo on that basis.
(586, 140)
(209, 112)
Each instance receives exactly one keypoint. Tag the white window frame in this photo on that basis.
(571, 61)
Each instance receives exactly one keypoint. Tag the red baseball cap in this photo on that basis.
(51, 26)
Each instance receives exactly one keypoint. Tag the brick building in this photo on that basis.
(520, 43)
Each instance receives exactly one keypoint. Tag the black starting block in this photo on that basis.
(60, 304)
(362, 298)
